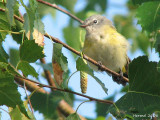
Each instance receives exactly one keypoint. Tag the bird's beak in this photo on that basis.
(83, 26)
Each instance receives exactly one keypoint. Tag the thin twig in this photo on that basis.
(63, 106)
(25, 88)
(60, 9)
(48, 74)
(102, 67)
(68, 91)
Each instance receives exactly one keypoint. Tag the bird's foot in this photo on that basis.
(100, 65)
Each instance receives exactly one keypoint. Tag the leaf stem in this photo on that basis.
(65, 90)
(81, 104)
(70, 77)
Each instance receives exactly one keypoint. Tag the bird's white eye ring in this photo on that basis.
(95, 21)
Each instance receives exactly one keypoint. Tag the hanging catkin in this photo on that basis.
(84, 80)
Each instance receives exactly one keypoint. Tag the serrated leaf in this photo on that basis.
(143, 96)
(29, 18)
(8, 90)
(46, 103)
(81, 65)
(59, 57)
(30, 51)
(38, 24)
(148, 15)
(27, 69)
(10, 6)
(59, 63)
(4, 23)
(38, 32)
(14, 56)
(102, 108)
(73, 116)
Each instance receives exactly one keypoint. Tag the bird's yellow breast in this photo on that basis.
(108, 46)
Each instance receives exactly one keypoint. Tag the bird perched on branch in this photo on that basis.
(104, 44)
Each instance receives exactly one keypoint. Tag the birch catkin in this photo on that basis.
(84, 81)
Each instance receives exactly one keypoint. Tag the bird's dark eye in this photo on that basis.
(95, 21)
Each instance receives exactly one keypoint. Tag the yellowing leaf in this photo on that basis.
(58, 72)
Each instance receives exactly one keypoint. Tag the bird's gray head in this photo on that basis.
(96, 22)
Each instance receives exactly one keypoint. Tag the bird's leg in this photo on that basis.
(100, 65)
(121, 78)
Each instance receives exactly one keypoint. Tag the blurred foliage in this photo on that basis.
(142, 92)
(139, 99)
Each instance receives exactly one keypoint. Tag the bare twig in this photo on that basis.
(60, 9)
(102, 67)
(66, 90)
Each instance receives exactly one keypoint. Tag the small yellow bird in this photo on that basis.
(105, 45)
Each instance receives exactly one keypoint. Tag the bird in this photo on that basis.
(106, 46)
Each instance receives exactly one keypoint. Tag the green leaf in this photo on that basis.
(158, 66)
(15, 113)
(101, 118)
(18, 28)
(102, 108)
(59, 57)
(142, 1)
(157, 43)
(3, 52)
(143, 96)
(125, 25)
(38, 24)
(4, 23)
(148, 15)
(47, 103)
(10, 6)
(8, 90)
(73, 116)
(29, 17)
(81, 65)
(31, 115)
(30, 51)
(27, 69)
(14, 56)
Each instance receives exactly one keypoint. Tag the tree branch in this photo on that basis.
(60, 9)
(66, 90)
(63, 106)
(102, 67)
